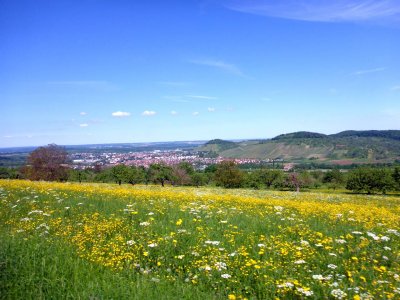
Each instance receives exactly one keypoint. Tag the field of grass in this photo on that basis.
(97, 241)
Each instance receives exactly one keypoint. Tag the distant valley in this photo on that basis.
(344, 148)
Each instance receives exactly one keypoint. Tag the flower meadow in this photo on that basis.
(98, 241)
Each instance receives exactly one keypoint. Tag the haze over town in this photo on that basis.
(85, 72)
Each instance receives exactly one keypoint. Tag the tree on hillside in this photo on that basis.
(228, 175)
(396, 178)
(370, 180)
(160, 173)
(182, 173)
(119, 173)
(47, 163)
(334, 178)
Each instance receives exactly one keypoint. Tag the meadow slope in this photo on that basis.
(63, 240)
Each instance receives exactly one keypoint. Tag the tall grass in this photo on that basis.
(61, 241)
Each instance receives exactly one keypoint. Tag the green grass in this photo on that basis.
(38, 269)
(73, 241)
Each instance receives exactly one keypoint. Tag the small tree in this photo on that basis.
(370, 180)
(334, 178)
(47, 163)
(160, 173)
(180, 175)
(119, 173)
(228, 175)
(199, 179)
(396, 178)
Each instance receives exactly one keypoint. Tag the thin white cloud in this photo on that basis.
(174, 83)
(219, 64)
(211, 109)
(396, 88)
(174, 113)
(196, 113)
(8, 136)
(82, 113)
(121, 114)
(148, 113)
(321, 10)
(368, 71)
(201, 97)
(92, 84)
(83, 125)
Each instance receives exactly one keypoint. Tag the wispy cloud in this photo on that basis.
(219, 64)
(92, 84)
(174, 113)
(363, 72)
(396, 88)
(121, 114)
(82, 113)
(196, 113)
(148, 113)
(83, 125)
(174, 83)
(321, 11)
(201, 97)
(211, 109)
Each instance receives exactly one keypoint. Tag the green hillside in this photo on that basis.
(372, 146)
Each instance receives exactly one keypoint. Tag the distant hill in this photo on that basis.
(371, 146)
(299, 135)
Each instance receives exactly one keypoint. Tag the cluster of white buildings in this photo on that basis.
(169, 157)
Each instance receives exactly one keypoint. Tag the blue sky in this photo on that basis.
(97, 71)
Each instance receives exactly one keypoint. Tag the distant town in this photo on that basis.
(146, 158)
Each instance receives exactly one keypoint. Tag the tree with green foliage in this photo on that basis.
(370, 180)
(104, 175)
(134, 175)
(334, 178)
(9, 173)
(80, 175)
(120, 173)
(396, 178)
(228, 175)
(199, 179)
(252, 180)
(160, 173)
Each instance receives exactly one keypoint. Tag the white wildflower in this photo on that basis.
(300, 261)
(332, 266)
(220, 266)
(357, 232)
(338, 294)
(340, 241)
(306, 293)
(215, 243)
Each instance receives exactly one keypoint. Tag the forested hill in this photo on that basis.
(350, 146)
